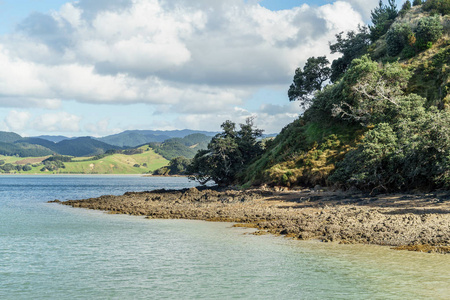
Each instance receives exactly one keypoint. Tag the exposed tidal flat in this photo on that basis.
(50, 251)
(406, 221)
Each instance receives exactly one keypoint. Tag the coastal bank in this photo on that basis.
(418, 222)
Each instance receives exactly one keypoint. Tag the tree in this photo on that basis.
(417, 2)
(382, 17)
(228, 153)
(178, 165)
(405, 8)
(309, 80)
(352, 46)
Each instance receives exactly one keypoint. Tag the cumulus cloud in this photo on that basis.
(17, 120)
(57, 122)
(195, 56)
(364, 7)
(101, 128)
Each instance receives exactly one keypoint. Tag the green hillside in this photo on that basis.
(186, 147)
(118, 163)
(383, 123)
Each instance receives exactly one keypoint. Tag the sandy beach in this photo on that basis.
(417, 222)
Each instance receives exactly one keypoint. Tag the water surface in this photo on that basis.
(50, 251)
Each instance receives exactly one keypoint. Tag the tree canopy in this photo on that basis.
(228, 153)
(309, 80)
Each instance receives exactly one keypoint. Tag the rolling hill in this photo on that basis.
(140, 163)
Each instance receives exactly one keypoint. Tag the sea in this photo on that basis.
(51, 251)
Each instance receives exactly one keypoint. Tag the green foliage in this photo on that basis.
(52, 165)
(429, 30)
(23, 150)
(413, 152)
(371, 92)
(382, 17)
(309, 80)
(397, 37)
(405, 8)
(417, 2)
(228, 154)
(187, 146)
(179, 165)
(352, 46)
(164, 171)
(9, 137)
(27, 168)
(60, 158)
(437, 6)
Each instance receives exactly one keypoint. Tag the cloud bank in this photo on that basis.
(197, 58)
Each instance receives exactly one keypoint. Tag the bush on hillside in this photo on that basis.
(410, 153)
(398, 36)
(429, 30)
(437, 6)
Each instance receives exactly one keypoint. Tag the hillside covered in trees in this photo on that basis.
(377, 118)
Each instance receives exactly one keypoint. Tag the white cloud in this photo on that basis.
(101, 128)
(57, 122)
(198, 57)
(17, 120)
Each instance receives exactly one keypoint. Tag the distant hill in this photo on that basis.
(83, 146)
(179, 143)
(23, 149)
(134, 138)
(9, 137)
(186, 146)
(53, 138)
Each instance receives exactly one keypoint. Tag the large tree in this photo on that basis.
(228, 153)
(382, 17)
(309, 80)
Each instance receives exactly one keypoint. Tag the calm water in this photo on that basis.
(49, 251)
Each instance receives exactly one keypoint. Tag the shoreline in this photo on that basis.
(416, 222)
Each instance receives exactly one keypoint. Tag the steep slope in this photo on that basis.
(383, 125)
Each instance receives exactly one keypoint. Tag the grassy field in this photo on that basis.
(113, 164)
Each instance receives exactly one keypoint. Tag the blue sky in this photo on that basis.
(100, 67)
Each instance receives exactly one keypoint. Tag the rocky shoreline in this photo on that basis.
(405, 221)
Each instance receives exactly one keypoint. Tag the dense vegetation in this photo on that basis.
(381, 124)
(228, 154)
(185, 147)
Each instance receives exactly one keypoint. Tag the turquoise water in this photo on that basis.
(50, 251)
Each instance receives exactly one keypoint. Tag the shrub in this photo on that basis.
(26, 168)
(437, 6)
(397, 38)
(428, 30)
(417, 2)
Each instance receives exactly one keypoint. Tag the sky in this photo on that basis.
(99, 67)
